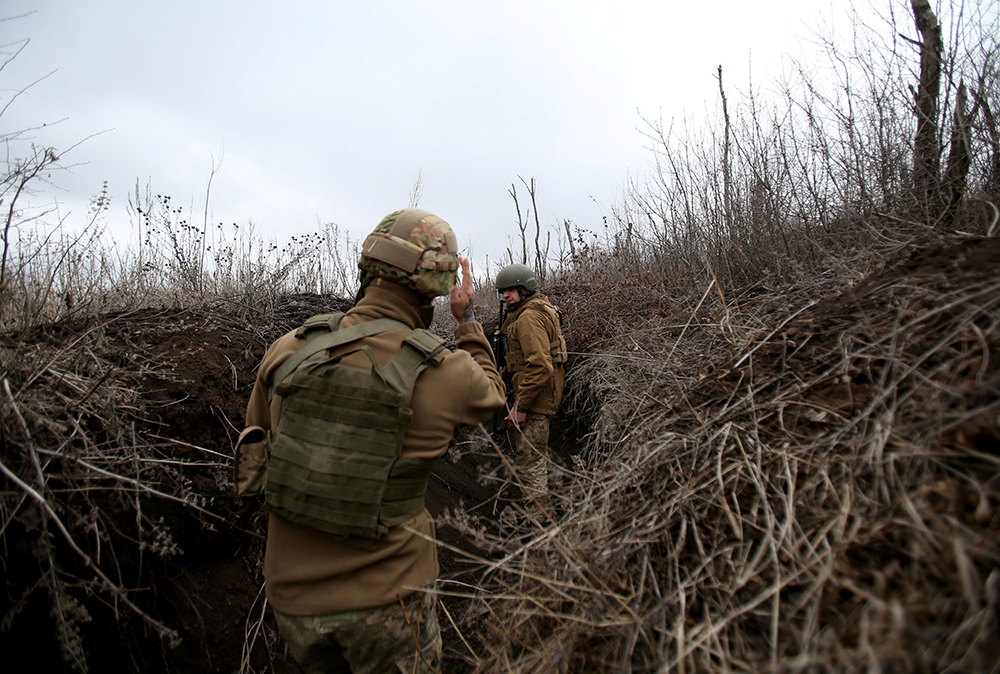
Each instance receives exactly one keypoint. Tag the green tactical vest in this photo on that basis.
(335, 454)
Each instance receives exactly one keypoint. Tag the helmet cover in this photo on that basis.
(414, 248)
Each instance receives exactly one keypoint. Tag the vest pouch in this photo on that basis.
(250, 468)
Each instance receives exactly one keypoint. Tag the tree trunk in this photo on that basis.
(926, 147)
(959, 160)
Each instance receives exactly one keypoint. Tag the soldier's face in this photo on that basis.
(510, 295)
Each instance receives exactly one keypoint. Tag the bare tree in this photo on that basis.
(22, 168)
(926, 147)
(959, 158)
(522, 227)
(727, 201)
(969, 55)
(541, 252)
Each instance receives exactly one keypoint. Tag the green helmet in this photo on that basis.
(517, 276)
(414, 248)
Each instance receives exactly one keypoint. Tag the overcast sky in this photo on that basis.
(327, 111)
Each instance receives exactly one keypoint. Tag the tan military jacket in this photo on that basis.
(536, 353)
(311, 572)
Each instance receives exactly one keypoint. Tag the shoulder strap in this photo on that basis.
(326, 322)
(420, 349)
(320, 342)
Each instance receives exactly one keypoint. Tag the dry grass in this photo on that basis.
(793, 483)
(784, 466)
(115, 460)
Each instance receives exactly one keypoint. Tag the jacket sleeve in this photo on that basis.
(538, 369)
(485, 393)
(253, 447)
(260, 407)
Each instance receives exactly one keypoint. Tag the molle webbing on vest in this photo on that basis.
(335, 461)
(330, 337)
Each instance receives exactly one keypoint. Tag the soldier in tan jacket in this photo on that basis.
(347, 603)
(536, 357)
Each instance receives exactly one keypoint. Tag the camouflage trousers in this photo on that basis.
(532, 456)
(369, 641)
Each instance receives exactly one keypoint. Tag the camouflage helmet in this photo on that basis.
(517, 276)
(414, 248)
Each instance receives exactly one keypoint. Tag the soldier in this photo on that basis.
(536, 357)
(355, 409)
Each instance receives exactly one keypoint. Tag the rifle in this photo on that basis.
(499, 341)
(499, 345)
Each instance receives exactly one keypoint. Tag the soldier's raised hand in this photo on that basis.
(462, 295)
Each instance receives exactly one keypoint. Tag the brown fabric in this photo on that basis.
(536, 380)
(310, 572)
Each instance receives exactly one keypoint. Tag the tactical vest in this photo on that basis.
(335, 458)
(557, 347)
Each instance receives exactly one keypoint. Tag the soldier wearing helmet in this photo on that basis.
(345, 598)
(536, 357)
